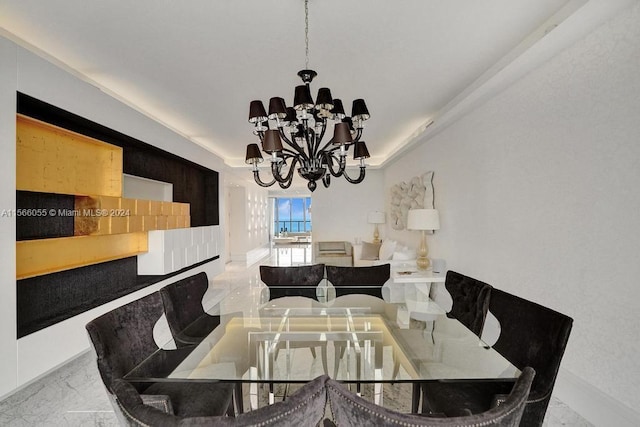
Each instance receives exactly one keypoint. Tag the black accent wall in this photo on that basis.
(49, 299)
(38, 223)
(45, 300)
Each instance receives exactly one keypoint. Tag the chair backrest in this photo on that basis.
(351, 410)
(183, 305)
(123, 337)
(531, 335)
(359, 280)
(304, 407)
(292, 281)
(470, 300)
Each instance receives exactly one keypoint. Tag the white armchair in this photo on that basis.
(332, 253)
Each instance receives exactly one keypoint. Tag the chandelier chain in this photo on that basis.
(306, 34)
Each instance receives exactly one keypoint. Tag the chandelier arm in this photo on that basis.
(277, 167)
(324, 148)
(290, 153)
(309, 137)
(319, 139)
(326, 180)
(261, 183)
(341, 164)
(285, 185)
(357, 180)
(293, 144)
(358, 135)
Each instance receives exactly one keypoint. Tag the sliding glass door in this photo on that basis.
(292, 215)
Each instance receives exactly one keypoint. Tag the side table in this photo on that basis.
(412, 289)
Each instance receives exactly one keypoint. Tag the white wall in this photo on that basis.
(238, 244)
(538, 191)
(249, 223)
(8, 357)
(340, 212)
(25, 359)
(136, 187)
(257, 216)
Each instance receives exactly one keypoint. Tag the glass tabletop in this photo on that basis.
(353, 337)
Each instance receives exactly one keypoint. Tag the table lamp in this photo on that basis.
(376, 218)
(423, 220)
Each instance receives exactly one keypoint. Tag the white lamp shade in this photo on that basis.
(376, 217)
(423, 219)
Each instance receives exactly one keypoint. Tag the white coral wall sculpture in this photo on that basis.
(416, 194)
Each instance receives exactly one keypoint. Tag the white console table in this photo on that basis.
(413, 288)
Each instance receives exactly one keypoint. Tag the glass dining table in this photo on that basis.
(353, 337)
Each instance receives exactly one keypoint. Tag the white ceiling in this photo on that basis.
(195, 65)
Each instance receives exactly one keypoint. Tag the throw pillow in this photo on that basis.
(403, 253)
(370, 251)
(387, 248)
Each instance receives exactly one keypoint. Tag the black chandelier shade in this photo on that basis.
(293, 137)
(359, 151)
(302, 99)
(257, 114)
(277, 108)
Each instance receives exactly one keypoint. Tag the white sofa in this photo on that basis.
(390, 252)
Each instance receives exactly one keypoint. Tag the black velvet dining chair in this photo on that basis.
(530, 335)
(356, 281)
(359, 280)
(470, 305)
(470, 300)
(292, 281)
(350, 410)
(298, 281)
(188, 322)
(123, 338)
(305, 407)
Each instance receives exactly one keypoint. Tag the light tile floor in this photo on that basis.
(73, 395)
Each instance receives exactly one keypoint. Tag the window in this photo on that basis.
(292, 214)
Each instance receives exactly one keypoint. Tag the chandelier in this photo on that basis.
(302, 128)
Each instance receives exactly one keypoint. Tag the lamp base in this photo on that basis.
(423, 263)
(376, 234)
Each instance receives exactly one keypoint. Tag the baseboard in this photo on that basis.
(591, 403)
(251, 257)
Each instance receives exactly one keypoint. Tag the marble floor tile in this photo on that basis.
(73, 395)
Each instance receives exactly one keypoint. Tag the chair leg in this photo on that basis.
(324, 359)
(338, 355)
(231, 409)
(396, 368)
(415, 397)
(238, 398)
(272, 396)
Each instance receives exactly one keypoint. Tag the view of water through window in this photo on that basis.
(292, 215)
